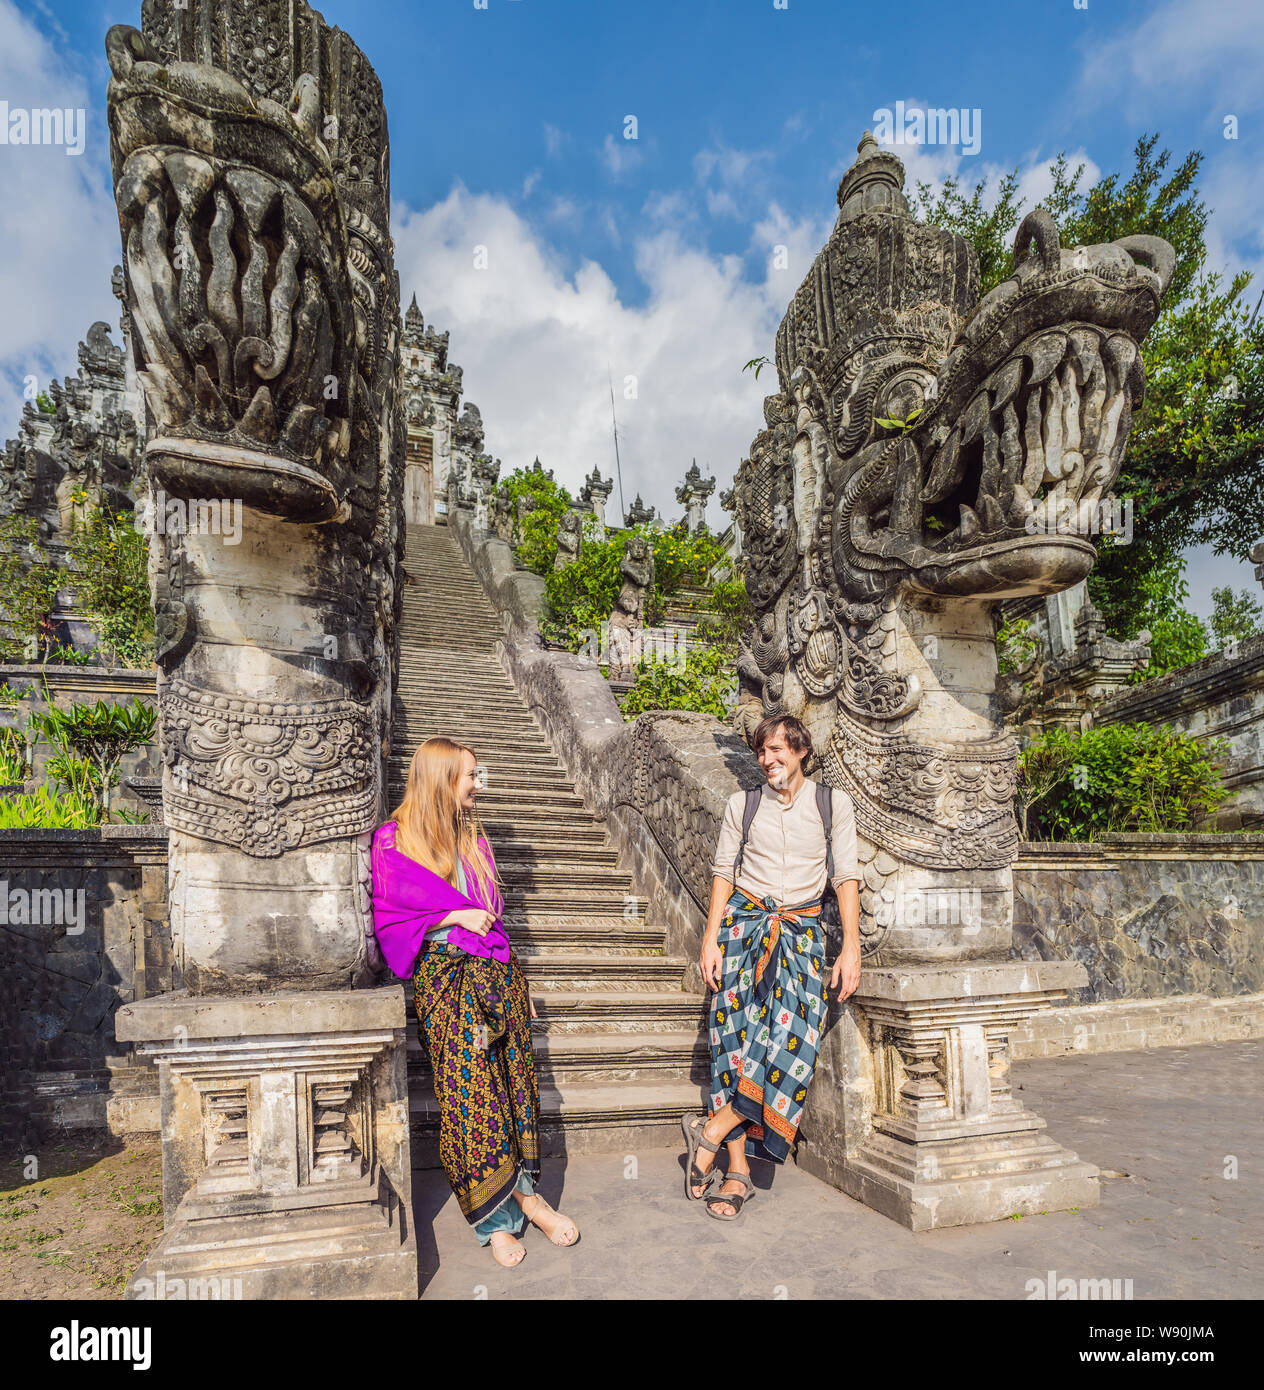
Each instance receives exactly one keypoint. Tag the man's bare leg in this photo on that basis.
(715, 1129)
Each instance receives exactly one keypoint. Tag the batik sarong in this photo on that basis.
(767, 1018)
(475, 1022)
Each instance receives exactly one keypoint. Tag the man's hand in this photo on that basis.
(711, 962)
(845, 977)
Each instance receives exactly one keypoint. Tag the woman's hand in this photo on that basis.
(531, 1004)
(711, 962)
(474, 919)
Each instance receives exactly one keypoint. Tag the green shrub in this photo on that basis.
(537, 544)
(582, 596)
(46, 809)
(1120, 777)
(704, 681)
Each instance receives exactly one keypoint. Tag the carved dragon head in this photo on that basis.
(921, 428)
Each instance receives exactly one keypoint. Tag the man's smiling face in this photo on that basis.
(779, 761)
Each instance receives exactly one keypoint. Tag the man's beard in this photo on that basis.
(779, 780)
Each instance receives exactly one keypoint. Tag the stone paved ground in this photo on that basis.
(1161, 1124)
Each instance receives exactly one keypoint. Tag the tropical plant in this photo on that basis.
(100, 734)
(704, 681)
(14, 765)
(48, 809)
(1117, 777)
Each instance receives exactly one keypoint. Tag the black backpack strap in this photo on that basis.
(825, 805)
(748, 815)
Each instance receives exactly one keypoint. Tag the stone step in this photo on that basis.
(578, 1118)
(592, 1011)
(544, 839)
(598, 936)
(593, 1058)
(553, 969)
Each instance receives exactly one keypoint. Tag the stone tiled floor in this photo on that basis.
(1163, 1125)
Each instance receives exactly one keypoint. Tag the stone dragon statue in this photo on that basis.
(885, 510)
(251, 169)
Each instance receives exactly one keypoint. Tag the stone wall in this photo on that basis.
(1150, 916)
(66, 965)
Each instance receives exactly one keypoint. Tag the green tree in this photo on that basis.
(111, 584)
(1234, 618)
(28, 590)
(537, 545)
(91, 743)
(1192, 464)
(1177, 636)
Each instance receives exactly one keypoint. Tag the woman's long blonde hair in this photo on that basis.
(431, 826)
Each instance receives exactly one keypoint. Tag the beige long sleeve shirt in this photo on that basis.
(785, 849)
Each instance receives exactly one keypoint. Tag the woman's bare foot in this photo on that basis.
(728, 1188)
(561, 1230)
(507, 1250)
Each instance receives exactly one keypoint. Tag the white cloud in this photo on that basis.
(1193, 53)
(620, 155)
(536, 343)
(554, 139)
(58, 225)
(529, 183)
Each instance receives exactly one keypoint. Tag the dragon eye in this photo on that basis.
(902, 395)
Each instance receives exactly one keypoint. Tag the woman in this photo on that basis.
(436, 900)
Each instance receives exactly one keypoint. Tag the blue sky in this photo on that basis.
(651, 259)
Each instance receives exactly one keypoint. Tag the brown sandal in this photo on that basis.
(734, 1199)
(696, 1140)
(569, 1228)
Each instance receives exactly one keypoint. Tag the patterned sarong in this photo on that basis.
(476, 1025)
(766, 1019)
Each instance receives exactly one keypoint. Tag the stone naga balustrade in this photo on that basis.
(251, 172)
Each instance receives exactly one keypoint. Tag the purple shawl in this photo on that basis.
(409, 900)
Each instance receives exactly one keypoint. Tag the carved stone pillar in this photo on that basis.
(693, 494)
(596, 493)
(251, 165)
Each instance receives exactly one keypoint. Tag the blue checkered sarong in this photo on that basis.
(767, 1018)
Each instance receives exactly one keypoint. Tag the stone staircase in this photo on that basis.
(619, 1044)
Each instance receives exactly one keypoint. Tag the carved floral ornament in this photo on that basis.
(267, 777)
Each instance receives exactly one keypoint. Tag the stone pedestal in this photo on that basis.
(285, 1144)
(927, 1130)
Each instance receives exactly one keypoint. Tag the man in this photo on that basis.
(763, 956)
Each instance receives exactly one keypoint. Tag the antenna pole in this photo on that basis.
(618, 470)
